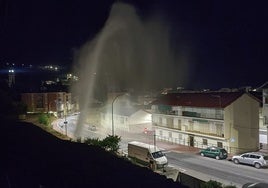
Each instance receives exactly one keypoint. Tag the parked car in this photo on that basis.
(215, 152)
(255, 185)
(255, 159)
(92, 128)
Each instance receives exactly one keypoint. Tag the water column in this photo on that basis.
(92, 62)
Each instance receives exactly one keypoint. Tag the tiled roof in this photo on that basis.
(203, 99)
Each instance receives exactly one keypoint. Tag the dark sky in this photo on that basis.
(226, 40)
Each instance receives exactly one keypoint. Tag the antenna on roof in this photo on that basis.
(262, 85)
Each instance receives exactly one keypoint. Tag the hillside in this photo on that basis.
(31, 157)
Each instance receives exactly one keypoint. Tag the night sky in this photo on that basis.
(225, 41)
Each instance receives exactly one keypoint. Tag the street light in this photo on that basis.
(113, 111)
(66, 122)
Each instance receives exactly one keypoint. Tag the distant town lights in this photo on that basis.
(51, 67)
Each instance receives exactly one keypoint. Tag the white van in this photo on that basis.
(147, 155)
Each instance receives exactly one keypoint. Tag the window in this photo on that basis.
(219, 129)
(170, 123)
(219, 144)
(39, 101)
(191, 125)
(205, 142)
(254, 156)
(170, 134)
(179, 124)
(218, 114)
(245, 155)
(213, 150)
(160, 120)
(161, 133)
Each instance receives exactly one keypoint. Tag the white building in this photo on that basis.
(125, 118)
(224, 119)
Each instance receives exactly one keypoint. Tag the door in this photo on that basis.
(191, 140)
(245, 159)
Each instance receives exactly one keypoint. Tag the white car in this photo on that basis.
(255, 159)
(92, 128)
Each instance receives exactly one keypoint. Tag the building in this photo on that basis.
(129, 119)
(122, 114)
(53, 102)
(200, 119)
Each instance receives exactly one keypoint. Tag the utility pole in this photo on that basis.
(113, 111)
(154, 141)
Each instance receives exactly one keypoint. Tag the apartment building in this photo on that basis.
(200, 119)
(52, 102)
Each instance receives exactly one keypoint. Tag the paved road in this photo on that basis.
(222, 170)
(185, 158)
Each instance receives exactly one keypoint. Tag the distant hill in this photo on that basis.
(31, 157)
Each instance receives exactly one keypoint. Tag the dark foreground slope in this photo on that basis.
(31, 157)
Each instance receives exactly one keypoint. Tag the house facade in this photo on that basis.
(224, 119)
(52, 102)
(264, 112)
(125, 118)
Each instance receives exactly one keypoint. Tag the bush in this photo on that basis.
(79, 140)
(93, 141)
(215, 184)
(110, 143)
(211, 184)
(43, 119)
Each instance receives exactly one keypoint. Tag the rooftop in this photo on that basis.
(200, 99)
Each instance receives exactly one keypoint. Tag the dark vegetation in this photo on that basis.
(31, 157)
(215, 184)
(110, 143)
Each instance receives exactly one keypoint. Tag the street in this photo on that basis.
(190, 163)
(222, 170)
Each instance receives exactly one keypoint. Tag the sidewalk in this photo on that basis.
(167, 146)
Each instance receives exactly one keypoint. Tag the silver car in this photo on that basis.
(253, 158)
